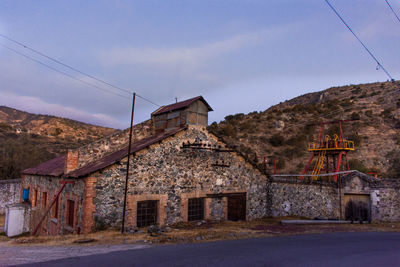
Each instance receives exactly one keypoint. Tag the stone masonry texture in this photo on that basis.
(10, 191)
(317, 199)
(171, 171)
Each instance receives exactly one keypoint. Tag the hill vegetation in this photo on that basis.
(29, 139)
(282, 132)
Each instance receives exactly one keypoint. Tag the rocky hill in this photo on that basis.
(28, 139)
(282, 132)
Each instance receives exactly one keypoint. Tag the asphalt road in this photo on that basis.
(336, 249)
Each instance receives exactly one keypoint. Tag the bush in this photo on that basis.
(276, 140)
(228, 130)
(368, 113)
(281, 164)
(230, 118)
(386, 112)
(355, 116)
(355, 138)
(4, 127)
(356, 164)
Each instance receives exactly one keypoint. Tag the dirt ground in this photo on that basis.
(197, 232)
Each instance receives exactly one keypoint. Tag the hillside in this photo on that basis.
(28, 139)
(282, 132)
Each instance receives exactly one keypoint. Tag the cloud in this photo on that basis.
(36, 105)
(192, 56)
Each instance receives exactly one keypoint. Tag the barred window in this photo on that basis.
(146, 213)
(196, 209)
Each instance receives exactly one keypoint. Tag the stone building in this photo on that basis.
(178, 172)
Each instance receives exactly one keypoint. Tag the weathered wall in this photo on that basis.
(10, 191)
(384, 194)
(51, 185)
(317, 199)
(167, 169)
(291, 196)
(98, 149)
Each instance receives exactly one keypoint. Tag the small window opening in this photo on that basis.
(70, 214)
(35, 198)
(146, 213)
(55, 209)
(44, 199)
(196, 209)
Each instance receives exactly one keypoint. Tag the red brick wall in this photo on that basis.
(72, 160)
(89, 207)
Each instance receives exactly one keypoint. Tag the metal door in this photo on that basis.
(237, 207)
(357, 207)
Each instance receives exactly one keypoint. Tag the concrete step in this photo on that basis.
(314, 222)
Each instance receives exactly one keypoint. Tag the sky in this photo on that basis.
(241, 56)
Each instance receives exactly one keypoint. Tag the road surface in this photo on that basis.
(335, 249)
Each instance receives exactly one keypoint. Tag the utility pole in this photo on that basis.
(127, 164)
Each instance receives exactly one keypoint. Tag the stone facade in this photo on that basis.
(10, 191)
(317, 199)
(169, 173)
(290, 196)
(98, 149)
(42, 191)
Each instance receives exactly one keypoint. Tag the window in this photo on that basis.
(70, 212)
(196, 209)
(55, 209)
(44, 199)
(146, 213)
(35, 198)
(25, 194)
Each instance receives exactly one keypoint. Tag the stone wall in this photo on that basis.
(98, 149)
(384, 194)
(51, 185)
(167, 169)
(318, 199)
(290, 196)
(10, 192)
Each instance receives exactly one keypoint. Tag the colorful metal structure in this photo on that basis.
(330, 152)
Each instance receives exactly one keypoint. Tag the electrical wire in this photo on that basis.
(62, 72)
(394, 12)
(74, 69)
(146, 99)
(355, 35)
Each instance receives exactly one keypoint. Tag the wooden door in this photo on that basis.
(237, 207)
(357, 207)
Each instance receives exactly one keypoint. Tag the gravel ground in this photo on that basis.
(13, 255)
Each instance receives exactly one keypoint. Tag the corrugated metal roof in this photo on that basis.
(53, 167)
(118, 155)
(180, 105)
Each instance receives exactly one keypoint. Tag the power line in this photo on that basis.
(355, 35)
(146, 99)
(61, 72)
(394, 12)
(74, 69)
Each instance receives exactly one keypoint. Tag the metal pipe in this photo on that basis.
(127, 164)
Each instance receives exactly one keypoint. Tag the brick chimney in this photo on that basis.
(71, 161)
